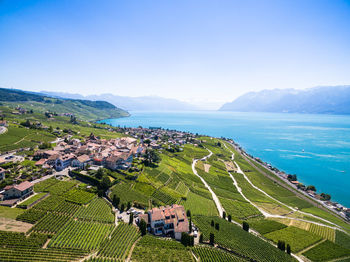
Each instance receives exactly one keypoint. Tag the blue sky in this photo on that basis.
(201, 51)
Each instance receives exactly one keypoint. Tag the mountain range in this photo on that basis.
(317, 100)
(142, 103)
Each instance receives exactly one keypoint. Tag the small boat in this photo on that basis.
(302, 150)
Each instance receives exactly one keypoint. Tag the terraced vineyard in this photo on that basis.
(81, 235)
(209, 254)
(97, 210)
(236, 239)
(325, 232)
(31, 216)
(297, 238)
(79, 196)
(150, 248)
(326, 251)
(120, 242)
(51, 223)
(14, 239)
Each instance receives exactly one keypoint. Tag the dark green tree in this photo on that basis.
(116, 201)
(224, 215)
(131, 218)
(212, 223)
(217, 226)
(212, 239)
(245, 226)
(143, 227)
(229, 218)
(128, 206)
(201, 238)
(311, 187)
(105, 183)
(99, 173)
(122, 207)
(289, 250)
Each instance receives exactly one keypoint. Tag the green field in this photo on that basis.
(97, 210)
(265, 226)
(9, 212)
(326, 251)
(150, 248)
(209, 254)
(297, 238)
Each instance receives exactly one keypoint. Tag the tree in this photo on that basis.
(50, 129)
(281, 245)
(201, 238)
(190, 224)
(188, 213)
(212, 223)
(122, 207)
(143, 227)
(289, 250)
(105, 183)
(116, 201)
(212, 239)
(229, 218)
(191, 241)
(224, 215)
(131, 218)
(325, 197)
(99, 173)
(128, 206)
(217, 226)
(219, 144)
(311, 187)
(185, 239)
(245, 226)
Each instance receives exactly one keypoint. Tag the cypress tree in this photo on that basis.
(131, 218)
(211, 239)
(224, 215)
(288, 249)
(212, 223)
(229, 218)
(201, 238)
(217, 226)
(245, 226)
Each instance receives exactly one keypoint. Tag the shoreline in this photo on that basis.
(280, 175)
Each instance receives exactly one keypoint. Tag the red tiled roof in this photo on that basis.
(21, 187)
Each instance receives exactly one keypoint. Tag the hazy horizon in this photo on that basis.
(202, 52)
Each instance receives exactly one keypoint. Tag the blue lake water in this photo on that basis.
(315, 147)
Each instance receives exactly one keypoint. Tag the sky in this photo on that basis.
(203, 52)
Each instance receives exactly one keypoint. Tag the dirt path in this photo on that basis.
(132, 249)
(215, 198)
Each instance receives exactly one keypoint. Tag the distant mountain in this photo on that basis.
(142, 103)
(82, 109)
(317, 100)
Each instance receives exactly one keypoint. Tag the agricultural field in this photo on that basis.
(14, 239)
(342, 239)
(325, 251)
(150, 248)
(236, 239)
(44, 185)
(97, 210)
(265, 226)
(8, 212)
(209, 254)
(239, 209)
(24, 254)
(127, 194)
(120, 242)
(81, 235)
(51, 223)
(199, 205)
(324, 232)
(31, 216)
(297, 238)
(79, 196)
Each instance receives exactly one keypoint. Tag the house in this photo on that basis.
(2, 173)
(60, 162)
(20, 191)
(3, 123)
(119, 160)
(167, 221)
(81, 161)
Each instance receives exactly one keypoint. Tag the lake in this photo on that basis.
(315, 147)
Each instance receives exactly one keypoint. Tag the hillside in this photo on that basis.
(317, 100)
(67, 220)
(142, 103)
(82, 109)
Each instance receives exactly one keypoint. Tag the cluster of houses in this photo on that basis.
(15, 193)
(166, 221)
(113, 154)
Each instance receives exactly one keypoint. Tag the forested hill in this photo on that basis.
(82, 109)
(317, 100)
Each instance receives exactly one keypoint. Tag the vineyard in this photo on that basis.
(97, 210)
(79, 196)
(51, 223)
(13, 239)
(120, 242)
(82, 235)
(297, 238)
(236, 239)
(209, 254)
(325, 251)
(265, 226)
(31, 216)
(324, 232)
(38, 255)
(150, 248)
